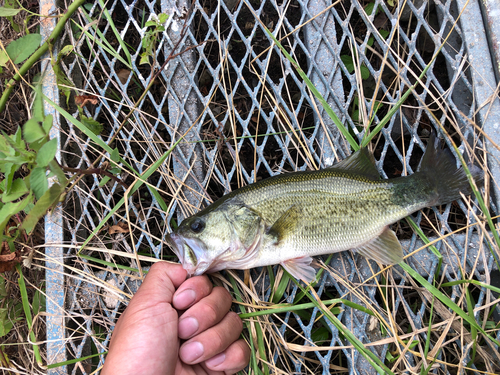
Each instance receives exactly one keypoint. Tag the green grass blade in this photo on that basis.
(284, 309)
(475, 282)
(253, 358)
(280, 290)
(482, 205)
(99, 41)
(446, 300)
(432, 248)
(375, 361)
(429, 331)
(27, 313)
(141, 178)
(109, 19)
(316, 93)
(74, 360)
(109, 264)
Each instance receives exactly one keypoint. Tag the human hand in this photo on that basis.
(147, 337)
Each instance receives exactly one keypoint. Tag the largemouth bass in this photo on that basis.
(289, 218)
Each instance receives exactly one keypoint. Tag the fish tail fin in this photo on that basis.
(439, 168)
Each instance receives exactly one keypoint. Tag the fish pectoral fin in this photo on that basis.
(300, 268)
(361, 162)
(384, 249)
(285, 225)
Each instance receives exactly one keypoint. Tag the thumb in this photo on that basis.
(145, 338)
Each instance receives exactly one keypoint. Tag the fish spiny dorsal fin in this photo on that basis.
(285, 225)
(361, 162)
(384, 249)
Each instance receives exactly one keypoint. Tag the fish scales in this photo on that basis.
(287, 219)
(337, 211)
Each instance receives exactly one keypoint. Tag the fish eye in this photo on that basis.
(197, 225)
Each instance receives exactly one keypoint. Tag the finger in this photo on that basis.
(212, 341)
(191, 291)
(235, 358)
(205, 314)
(151, 303)
(160, 283)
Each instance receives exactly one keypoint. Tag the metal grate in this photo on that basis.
(232, 81)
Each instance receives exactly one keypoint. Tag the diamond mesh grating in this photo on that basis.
(234, 99)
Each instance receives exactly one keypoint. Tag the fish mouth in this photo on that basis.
(190, 252)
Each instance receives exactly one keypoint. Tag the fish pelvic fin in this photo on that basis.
(285, 225)
(300, 268)
(438, 169)
(384, 249)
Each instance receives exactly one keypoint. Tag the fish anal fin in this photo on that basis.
(285, 225)
(384, 249)
(361, 162)
(300, 268)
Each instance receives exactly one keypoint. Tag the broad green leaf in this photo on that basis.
(3, 292)
(10, 209)
(365, 73)
(32, 131)
(17, 190)
(10, 169)
(347, 60)
(18, 160)
(4, 58)
(38, 181)
(66, 50)
(384, 33)
(5, 323)
(47, 123)
(162, 18)
(144, 58)
(4, 145)
(91, 124)
(28, 207)
(17, 137)
(369, 8)
(320, 335)
(47, 201)
(7, 12)
(22, 48)
(58, 172)
(104, 181)
(47, 153)
(37, 145)
(115, 155)
(38, 111)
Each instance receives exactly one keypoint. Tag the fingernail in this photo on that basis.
(187, 327)
(216, 361)
(184, 299)
(191, 352)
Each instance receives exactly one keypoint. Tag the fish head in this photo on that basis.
(216, 239)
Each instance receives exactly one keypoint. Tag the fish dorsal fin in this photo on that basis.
(384, 249)
(285, 225)
(361, 162)
(300, 268)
